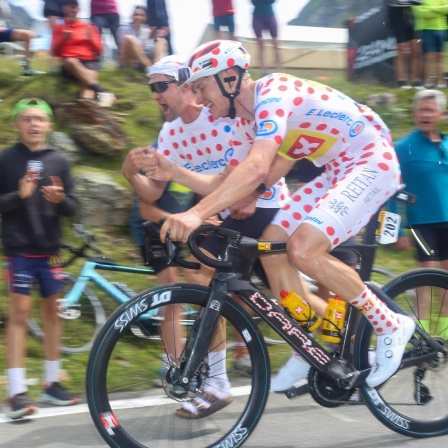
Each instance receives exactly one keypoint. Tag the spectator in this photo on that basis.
(35, 190)
(53, 11)
(423, 155)
(264, 19)
(79, 45)
(158, 21)
(18, 35)
(432, 23)
(407, 61)
(223, 17)
(137, 49)
(104, 14)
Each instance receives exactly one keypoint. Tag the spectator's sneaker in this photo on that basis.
(59, 396)
(18, 406)
(389, 351)
(295, 370)
(27, 71)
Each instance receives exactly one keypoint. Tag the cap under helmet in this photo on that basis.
(169, 66)
(213, 57)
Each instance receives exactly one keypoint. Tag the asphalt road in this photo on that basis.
(285, 424)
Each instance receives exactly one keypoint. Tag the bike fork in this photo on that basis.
(198, 341)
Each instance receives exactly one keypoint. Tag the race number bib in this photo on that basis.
(389, 228)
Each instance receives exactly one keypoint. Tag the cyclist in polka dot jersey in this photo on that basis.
(296, 118)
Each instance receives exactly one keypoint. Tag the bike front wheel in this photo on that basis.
(414, 401)
(79, 321)
(130, 374)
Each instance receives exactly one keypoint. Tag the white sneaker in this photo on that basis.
(292, 372)
(389, 351)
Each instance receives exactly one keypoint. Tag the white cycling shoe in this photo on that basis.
(292, 372)
(389, 351)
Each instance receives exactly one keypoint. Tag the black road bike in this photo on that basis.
(130, 411)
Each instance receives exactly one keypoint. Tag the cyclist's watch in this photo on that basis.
(262, 188)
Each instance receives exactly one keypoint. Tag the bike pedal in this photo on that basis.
(295, 392)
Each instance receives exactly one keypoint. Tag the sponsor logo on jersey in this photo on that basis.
(208, 165)
(268, 194)
(267, 127)
(303, 143)
(267, 101)
(356, 128)
(335, 115)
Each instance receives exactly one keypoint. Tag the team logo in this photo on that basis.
(267, 127)
(356, 128)
(264, 246)
(367, 306)
(304, 146)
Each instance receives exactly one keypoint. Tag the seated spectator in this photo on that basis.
(223, 17)
(79, 46)
(138, 47)
(104, 14)
(17, 35)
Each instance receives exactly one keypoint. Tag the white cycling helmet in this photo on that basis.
(213, 57)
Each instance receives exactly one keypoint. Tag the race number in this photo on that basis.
(389, 227)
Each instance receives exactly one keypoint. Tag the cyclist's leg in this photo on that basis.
(340, 213)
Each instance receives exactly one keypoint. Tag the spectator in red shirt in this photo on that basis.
(79, 46)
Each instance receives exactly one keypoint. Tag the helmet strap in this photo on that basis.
(230, 95)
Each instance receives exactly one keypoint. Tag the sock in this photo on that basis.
(51, 371)
(16, 378)
(382, 319)
(218, 382)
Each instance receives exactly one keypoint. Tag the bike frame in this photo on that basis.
(89, 274)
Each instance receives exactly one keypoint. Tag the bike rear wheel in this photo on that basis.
(79, 322)
(414, 401)
(130, 407)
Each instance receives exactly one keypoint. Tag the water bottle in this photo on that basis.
(334, 320)
(300, 310)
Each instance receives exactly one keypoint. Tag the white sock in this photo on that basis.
(16, 378)
(218, 382)
(51, 369)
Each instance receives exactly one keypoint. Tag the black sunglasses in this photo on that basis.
(160, 86)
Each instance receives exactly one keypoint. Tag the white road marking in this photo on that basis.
(116, 404)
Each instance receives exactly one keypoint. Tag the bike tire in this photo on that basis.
(381, 275)
(126, 403)
(395, 402)
(79, 323)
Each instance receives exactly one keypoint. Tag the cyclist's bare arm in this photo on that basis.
(150, 211)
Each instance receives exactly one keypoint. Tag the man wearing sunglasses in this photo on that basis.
(193, 140)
